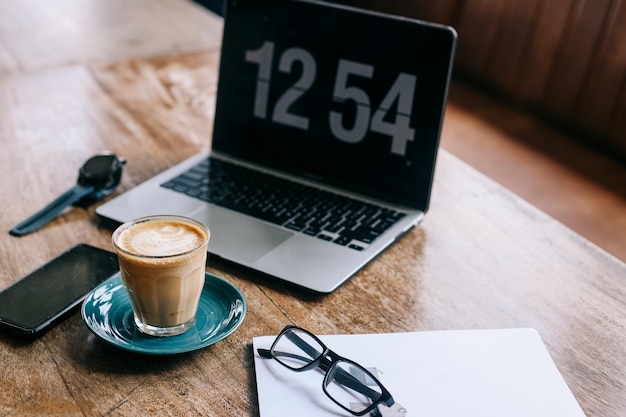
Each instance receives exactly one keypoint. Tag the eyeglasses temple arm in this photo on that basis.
(265, 353)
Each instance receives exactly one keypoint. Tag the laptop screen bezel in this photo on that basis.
(246, 26)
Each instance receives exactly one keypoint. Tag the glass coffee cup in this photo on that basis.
(162, 263)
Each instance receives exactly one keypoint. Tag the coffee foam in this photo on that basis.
(161, 238)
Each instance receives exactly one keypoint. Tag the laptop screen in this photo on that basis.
(350, 98)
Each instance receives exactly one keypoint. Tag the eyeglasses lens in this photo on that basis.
(351, 386)
(295, 349)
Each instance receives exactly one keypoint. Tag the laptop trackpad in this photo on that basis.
(239, 238)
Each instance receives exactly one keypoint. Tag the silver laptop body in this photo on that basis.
(290, 103)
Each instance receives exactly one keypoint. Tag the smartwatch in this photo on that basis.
(97, 178)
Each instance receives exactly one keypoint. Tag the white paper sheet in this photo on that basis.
(479, 373)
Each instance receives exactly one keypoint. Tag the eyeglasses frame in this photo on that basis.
(327, 361)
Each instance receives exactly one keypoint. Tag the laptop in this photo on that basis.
(324, 143)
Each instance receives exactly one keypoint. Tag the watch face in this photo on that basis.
(348, 97)
(101, 170)
(99, 166)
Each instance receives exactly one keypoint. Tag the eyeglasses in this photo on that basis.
(348, 384)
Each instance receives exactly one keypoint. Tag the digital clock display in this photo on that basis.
(350, 97)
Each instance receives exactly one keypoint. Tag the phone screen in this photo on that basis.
(42, 298)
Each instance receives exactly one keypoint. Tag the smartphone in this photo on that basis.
(43, 298)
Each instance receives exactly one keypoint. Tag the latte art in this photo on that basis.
(160, 238)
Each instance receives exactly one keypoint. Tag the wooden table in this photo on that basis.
(138, 78)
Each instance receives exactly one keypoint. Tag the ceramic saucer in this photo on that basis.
(108, 314)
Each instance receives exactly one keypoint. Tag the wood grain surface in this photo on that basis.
(482, 258)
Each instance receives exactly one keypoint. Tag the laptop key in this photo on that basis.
(295, 225)
(311, 231)
(342, 240)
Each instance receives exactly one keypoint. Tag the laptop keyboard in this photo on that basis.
(328, 216)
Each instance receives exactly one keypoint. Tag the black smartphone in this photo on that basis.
(44, 297)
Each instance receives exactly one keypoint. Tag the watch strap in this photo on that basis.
(49, 212)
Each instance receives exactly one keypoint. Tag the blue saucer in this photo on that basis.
(108, 314)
